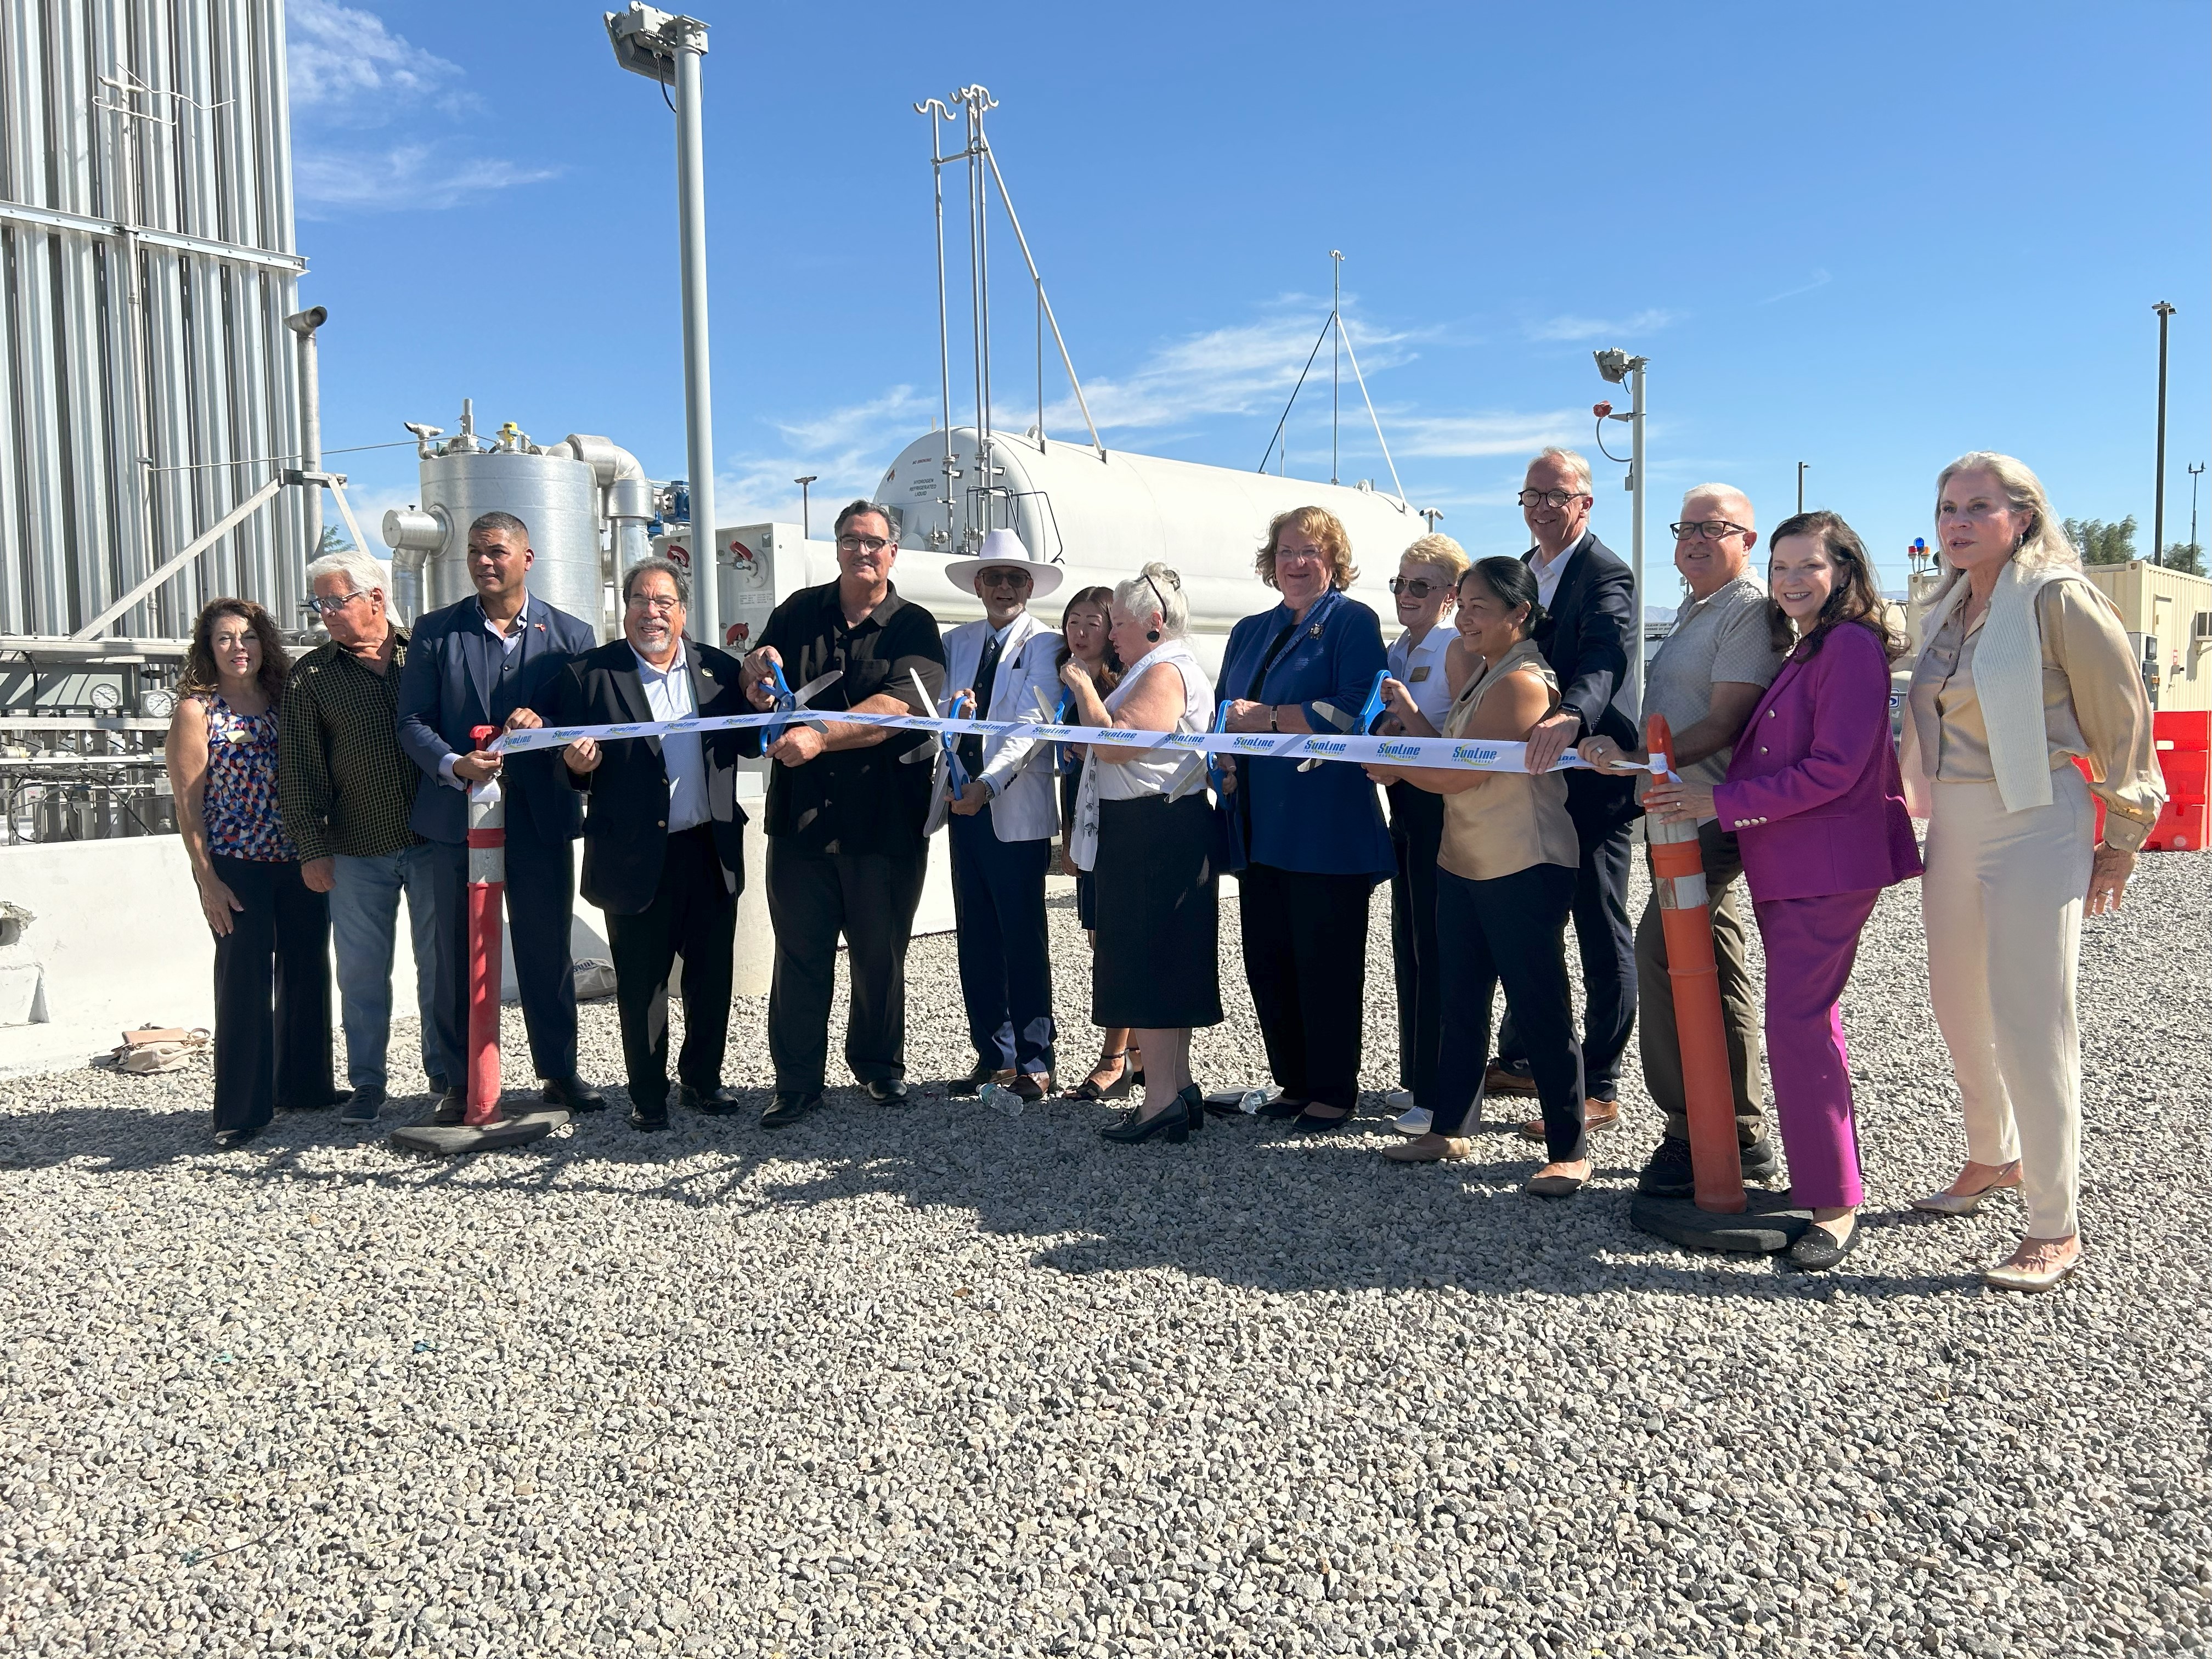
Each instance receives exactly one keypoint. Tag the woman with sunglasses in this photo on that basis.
(1425, 588)
(1086, 636)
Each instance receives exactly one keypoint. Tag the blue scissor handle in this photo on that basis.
(1212, 766)
(1374, 708)
(786, 702)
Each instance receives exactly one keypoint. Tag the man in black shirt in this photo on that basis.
(846, 851)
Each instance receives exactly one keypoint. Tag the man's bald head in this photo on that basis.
(1709, 561)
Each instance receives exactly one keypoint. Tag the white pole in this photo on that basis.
(1636, 525)
(698, 395)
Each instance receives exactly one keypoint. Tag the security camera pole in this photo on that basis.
(304, 324)
(2158, 502)
(667, 48)
(1617, 365)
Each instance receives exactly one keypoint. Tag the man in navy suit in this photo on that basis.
(488, 661)
(1592, 601)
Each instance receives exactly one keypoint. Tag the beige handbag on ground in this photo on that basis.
(160, 1048)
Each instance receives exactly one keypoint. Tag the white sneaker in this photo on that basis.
(1398, 1100)
(1414, 1122)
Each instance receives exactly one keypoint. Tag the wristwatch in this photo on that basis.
(1274, 718)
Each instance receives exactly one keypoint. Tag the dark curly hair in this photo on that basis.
(201, 678)
(1854, 599)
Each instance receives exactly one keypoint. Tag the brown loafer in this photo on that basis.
(1597, 1114)
(1504, 1080)
(1430, 1149)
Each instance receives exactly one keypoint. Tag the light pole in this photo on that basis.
(2195, 472)
(2158, 502)
(304, 324)
(1617, 365)
(806, 521)
(1801, 485)
(667, 48)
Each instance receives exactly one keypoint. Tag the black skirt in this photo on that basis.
(1158, 965)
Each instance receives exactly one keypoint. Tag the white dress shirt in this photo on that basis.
(1547, 576)
(1420, 670)
(668, 691)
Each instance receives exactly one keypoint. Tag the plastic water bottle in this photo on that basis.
(1252, 1099)
(1001, 1100)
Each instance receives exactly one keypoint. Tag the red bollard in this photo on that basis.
(1678, 874)
(487, 893)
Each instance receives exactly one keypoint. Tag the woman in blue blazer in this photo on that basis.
(1314, 842)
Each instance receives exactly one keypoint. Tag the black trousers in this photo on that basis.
(540, 902)
(1005, 953)
(272, 995)
(1416, 828)
(1305, 956)
(813, 897)
(693, 915)
(1512, 929)
(1605, 937)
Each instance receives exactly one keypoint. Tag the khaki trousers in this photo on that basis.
(2002, 903)
(1657, 1040)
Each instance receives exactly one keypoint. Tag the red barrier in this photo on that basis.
(487, 893)
(1678, 875)
(2182, 737)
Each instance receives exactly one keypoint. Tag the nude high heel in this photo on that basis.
(1948, 1203)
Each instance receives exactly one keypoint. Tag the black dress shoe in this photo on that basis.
(1819, 1248)
(1310, 1123)
(1171, 1121)
(573, 1094)
(453, 1107)
(1283, 1106)
(963, 1088)
(889, 1092)
(649, 1115)
(717, 1102)
(227, 1139)
(1668, 1174)
(788, 1108)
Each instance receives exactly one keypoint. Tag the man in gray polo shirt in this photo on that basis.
(1706, 679)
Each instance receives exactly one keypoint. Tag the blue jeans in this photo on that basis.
(364, 920)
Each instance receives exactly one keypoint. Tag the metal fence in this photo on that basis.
(147, 382)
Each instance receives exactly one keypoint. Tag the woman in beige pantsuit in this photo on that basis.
(2024, 668)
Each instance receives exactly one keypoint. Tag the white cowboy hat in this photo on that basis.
(1001, 548)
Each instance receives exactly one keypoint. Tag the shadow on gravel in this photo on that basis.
(1244, 1202)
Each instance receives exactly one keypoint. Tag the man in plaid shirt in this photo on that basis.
(345, 789)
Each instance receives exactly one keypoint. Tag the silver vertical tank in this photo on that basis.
(553, 493)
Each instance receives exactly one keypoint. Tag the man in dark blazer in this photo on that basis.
(1591, 598)
(489, 661)
(665, 839)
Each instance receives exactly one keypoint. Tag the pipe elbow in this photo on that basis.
(608, 459)
(413, 536)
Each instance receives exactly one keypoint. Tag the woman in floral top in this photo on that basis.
(272, 1018)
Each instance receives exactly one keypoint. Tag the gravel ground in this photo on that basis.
(937, 1381)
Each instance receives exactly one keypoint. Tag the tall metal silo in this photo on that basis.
(147, 261)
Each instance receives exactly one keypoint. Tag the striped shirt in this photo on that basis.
(342, 780)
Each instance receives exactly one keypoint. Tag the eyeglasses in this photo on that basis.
(1002, 579)
(1552, 497)
(323, 607)
(1418, 587)
(1713, 530)
(659, 604)
(862, 544)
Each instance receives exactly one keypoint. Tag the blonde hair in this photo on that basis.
(1442, 551)
(2044, 547)
(1326, 529)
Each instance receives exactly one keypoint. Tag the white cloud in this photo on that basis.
(346, 66)
(846, 449)
(413, 176)
(1819, 278)
(1468, 436)
(1590, 328)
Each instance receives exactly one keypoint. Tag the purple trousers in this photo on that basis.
(1811, 944)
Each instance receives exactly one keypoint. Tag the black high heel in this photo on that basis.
(1193, 1106)
(1172, 1121)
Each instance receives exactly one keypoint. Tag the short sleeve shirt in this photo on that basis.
(1420, 670)
(1722, 636)
(856, 800)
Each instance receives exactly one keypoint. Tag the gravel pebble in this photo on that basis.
(935, 1381)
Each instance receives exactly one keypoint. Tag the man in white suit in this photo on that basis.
(1005, 813)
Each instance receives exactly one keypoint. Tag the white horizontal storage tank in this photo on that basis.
(1105, 519)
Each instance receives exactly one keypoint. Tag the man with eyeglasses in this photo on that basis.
(1715, 662)
(345, 788)
(488, 660)
(663, 836)
(846, 849)
(1590, 597)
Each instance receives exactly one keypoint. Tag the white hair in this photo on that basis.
(1566, 458)
(1155, 591)
(355, 565)
(1726, 492)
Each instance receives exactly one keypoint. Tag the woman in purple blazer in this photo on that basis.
(1815, 799)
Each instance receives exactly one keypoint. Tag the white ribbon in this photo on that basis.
(1457, 754)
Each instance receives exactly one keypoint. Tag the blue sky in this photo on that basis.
(1868, 238)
